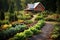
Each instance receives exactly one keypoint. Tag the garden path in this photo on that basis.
(46, 33)
(34, 16)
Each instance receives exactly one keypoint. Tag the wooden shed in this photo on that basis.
(37, 7)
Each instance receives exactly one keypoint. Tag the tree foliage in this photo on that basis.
(58, 6)
(17, 5)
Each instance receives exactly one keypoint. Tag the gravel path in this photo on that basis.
(45, 35)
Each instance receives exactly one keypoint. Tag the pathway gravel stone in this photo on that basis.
(46, 32)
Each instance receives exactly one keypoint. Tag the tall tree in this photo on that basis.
(58, 6)
(49, 5)
(12, 16)
(18, 5)
(3, 8)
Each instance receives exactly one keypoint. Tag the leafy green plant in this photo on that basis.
(56, 32)
(50, 19)
(24, 17)
(28, 33)
(5, 22)
(39, 17)
(20, 27)
(20, 36)
(34, 30)
(12, 17)
(39, 24)
(5, 34)
(28, 21)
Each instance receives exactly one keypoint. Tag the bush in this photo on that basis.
(50, 19)
(13, 17)
(24, 17)
(28, 33)
(5, 22)
(28, 21)
(39, 18)
(37, 27)
(56, 32)
(20, 27)
(34, 30)
(6, 26)
(20, 36)
(45, 12)
(5, 34)
(39, 24)
(20, 21)
(58, 19)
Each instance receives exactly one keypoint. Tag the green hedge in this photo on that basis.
(29, 32)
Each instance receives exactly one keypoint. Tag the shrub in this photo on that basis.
(6, 26)
(20, 27)
(5, 34)
(34, 30)
(50, 19)
(20, 36)
(24, 17)
(39, 18)
(37, 27)
(45, 12)
(20, 21)
(39, 24)
(56, 32)
(5, 22)
(28, 33)
(13, 17)
(28, 21)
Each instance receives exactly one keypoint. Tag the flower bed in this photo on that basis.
(5, 34)
(29, 32)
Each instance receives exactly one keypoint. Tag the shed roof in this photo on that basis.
(33, 5)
